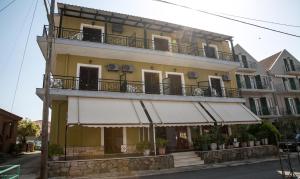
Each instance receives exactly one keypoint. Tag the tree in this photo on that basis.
(27, 128)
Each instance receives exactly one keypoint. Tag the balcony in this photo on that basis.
(248, 67)
(256, 88)
(281, 88)
(138, 87)
(266, 112)
(291, 112)
(116, 46)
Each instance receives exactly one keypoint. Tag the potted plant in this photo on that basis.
(235, 142)
(221, 141)
(54, 151)
(229, 142)
(213, 139)
(204, 139)
(144, 147)
(244, 139)
(251, 139)
(161, 144)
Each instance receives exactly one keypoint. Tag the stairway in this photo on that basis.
(182, 159)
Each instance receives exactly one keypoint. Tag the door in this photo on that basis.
(258, 82)
(216, 87)
(151, 81)
(292, 83)
(88, 78)
(92, 34)
(182, 138)
(286, 65)
(247, 81)
(175, 84)
(238, 80)
(113, 140)
(287, 105)
(252, 105)
(297, 103)
(210, 52)
(264, 106)
(161, 44)
(244, 61)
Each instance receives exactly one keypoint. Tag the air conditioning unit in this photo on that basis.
(128, 68)
(193, 75)
(225, 78)
(117, 28)
(113, 67)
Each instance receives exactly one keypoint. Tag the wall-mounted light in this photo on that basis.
(175, 69)
(216, 74)
(90, 61)
(151, 67)
(93, 23)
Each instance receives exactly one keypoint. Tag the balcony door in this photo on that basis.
(244, 61)
(264, 106)
(152, 80)
(210, 51)
(161, 43)
(88, 77)
(216, 86)
(92, 33)
(175, 83)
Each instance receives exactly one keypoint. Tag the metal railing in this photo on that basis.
(254, 86)
(250, 65)
(136, 42)
(266, 111)
(286, 112)
(114, 85)
(10, 171)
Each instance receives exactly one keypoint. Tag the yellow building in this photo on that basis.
(119, 79)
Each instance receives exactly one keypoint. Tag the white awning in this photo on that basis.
(231, 113)
(95, 112)
(174, 113)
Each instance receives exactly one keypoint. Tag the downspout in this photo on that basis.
(232, 49)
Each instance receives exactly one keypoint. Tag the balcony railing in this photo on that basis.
(136, 42)
(286, 112)
(250, 65)
(126, 86)
(255, 87)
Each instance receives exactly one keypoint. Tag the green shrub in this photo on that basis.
(55, 150)
(160, 142)
(143, 145)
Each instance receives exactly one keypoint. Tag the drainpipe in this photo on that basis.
(154, 140)
(232, 49)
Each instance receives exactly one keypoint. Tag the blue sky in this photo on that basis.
(15, 24)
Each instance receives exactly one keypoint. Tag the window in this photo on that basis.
(92, 33)
(238, 80)
(292, 83)
(161, 43)
(290, 106)
(292, 65)
(210, 51)
(89, 76)
(258, 82)
(286, 65)
(244, 61)
(247, 81)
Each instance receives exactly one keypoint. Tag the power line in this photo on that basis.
(228, 18)
(7, 5)
(17, 37)
(23, 57)
(261, 20)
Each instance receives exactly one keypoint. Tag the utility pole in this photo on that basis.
(44, 154)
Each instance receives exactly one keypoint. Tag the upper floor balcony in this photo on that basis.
(287, 85)
(167, 87)
(294, 70)
(257, 83)
(156, 50)
(247, 66)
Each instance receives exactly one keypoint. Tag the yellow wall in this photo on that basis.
(66, 65)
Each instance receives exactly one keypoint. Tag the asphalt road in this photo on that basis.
(265, 170)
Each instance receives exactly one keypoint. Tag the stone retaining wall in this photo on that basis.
(218, 156)
(77, 168)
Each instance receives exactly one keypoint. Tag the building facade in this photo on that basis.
(271, 86)
(119, 79)
(8, 129)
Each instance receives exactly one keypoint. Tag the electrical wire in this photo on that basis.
(228, 18)
(16, 39)
(23, 57)
(2, 9)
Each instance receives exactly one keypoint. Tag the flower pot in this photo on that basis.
(213, 146)
(162, 150)
(147, 152)
(55, 158)
(221, 146)
(251, 143)
(257, 143)
(236, 144)
(244, 144)
(264, 141)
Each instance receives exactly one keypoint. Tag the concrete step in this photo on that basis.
(188, 163)
(186, 159)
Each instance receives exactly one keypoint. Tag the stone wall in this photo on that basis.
(77, 168)
(218, 156)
